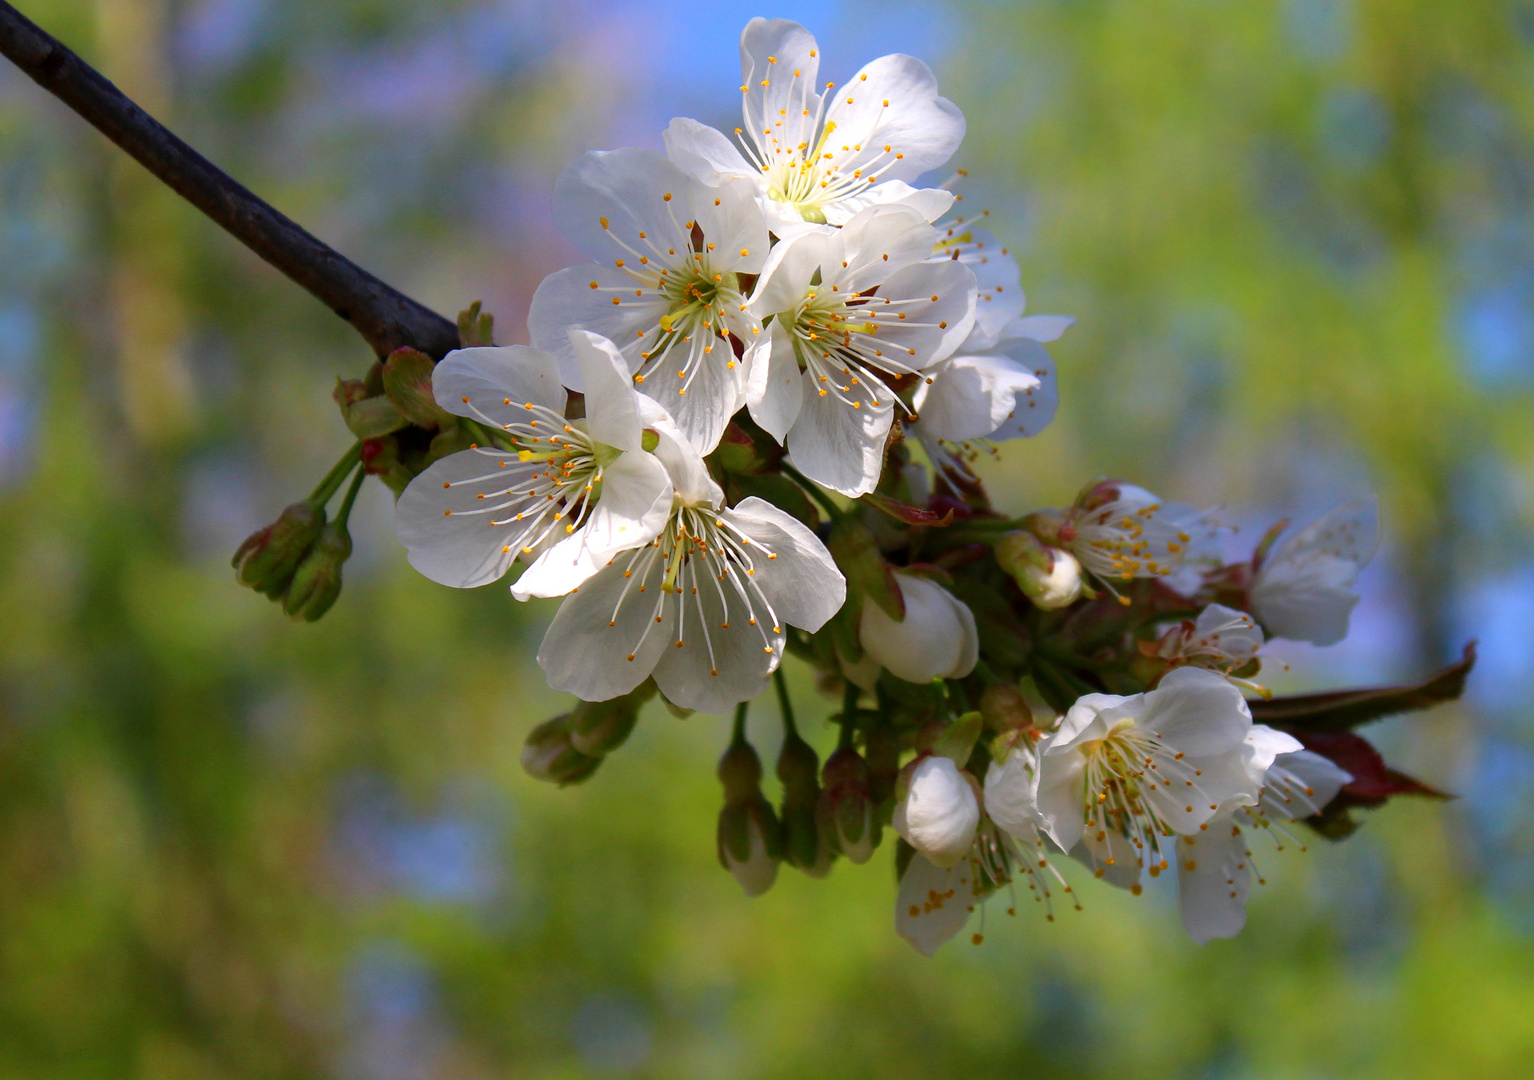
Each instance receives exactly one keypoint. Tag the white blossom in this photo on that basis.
(851, 308)
(1304, 589)
(939, 813)
(665, 286)
(1221, 639)
(1129, 533)
(703, 607)
(937, 638)
(819, 154)
(1121, 775)
(1214, 868)
(566, 493)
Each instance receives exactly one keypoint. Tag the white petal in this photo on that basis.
(1111, 857)
(838, 446)
(932, 329)
(1039, 327)
(462, 548)
(1062, 778)
(1198, 713)
(930, 203)
(779, 72)
(893, 102)
(566, 299)
(688, 472)
(933, 903)
(731, 221)
(1301, 783)
(971, 396)
(705, 153)
(802, 583)
(627, 188)
(1011, 796)
(1213, 878)
(1000, 299)
(715, 658)
(1304, 590)
(487, 377)
(1266, 745)
(791, 266)
(877, 242)
(612, 410)
(1087, 717)
(773, 391)
(1033, 410)
(634, 504)
(585, 651)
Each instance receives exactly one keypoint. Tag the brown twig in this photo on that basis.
(385, 317)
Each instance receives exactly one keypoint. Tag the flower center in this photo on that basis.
(550, 474)
(700, 571)
(837, 342)
(1133, 783)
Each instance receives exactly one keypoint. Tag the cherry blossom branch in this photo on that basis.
(386, 318)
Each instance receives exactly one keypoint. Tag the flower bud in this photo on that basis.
(1049, 576)
(1004, 708)
(549, 755)
(799, 771)
(940, 811)
(597, 728)
(266, 560)
(749, 844)
(936, 639)
(317, 582)
(847, 814)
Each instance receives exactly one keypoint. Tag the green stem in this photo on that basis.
(813, 491)
(344, 514)
(784, 705)
(850, 697)
(327, 487)
(958, 700)
(740, 722)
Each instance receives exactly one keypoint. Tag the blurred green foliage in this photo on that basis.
(231, 846)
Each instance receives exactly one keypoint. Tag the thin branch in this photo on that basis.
(385, 317)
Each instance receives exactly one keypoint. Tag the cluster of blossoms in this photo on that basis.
(746, 429)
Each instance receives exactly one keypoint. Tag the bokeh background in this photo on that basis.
(1299, 237)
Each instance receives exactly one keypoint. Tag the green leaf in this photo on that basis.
(475, 329)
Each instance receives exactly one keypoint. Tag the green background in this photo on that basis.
(1299, 238)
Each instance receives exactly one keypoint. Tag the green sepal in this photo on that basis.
(475, 328)
(957, 742)
(407, 382)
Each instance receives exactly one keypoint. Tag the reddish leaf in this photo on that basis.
(1373, 781)
(911, 515)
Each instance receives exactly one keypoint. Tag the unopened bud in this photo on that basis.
(266, 560)
(407, 381)
(549, 754)
(740, 771)
(939, 810)
(749, 844)
(1098, 493)
(317, 581)
(1046, 525)
(1004, 708)
(1049, 576)
(848, 813)
(597, 728)
(799, 771)
(371, 418)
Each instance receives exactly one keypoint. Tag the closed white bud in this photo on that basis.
(936, 640)
(939, 813)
